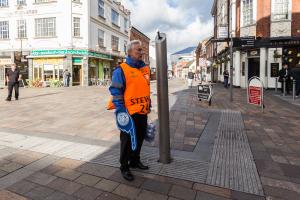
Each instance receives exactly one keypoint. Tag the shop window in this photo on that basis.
(48, 72)
(37, 72)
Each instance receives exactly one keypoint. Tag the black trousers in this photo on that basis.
(287, 86)
(126, 154)
(297, 87)
(11, 86)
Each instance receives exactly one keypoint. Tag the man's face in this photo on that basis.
(13, 67)
(285, 66)
(136, 52)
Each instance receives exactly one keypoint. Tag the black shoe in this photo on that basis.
(139, 165)
(16, 99)
(127, 175)
(7, 99)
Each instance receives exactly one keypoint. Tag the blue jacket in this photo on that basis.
(118, 84)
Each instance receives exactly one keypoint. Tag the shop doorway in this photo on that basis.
(253, 67)
(77, 75)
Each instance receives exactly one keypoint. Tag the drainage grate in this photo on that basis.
(232, 164)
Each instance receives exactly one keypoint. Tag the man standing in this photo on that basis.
(13, 77)
(191, 77)
(295, 73)
(66, 76)
(284, 73)
(130, 90)
(226, 78)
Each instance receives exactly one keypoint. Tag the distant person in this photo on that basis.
(284, 73)
(190, 78)
(13, 77)
(295, 73)
(226, 78)
(66, 76)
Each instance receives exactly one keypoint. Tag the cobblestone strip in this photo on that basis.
(232, 165)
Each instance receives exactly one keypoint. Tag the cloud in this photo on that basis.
(186, 22)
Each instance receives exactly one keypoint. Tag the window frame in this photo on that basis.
(2, 30)
(126, 24)
(21, 2)
(47, 28)
(113, 11)
(113, 42)
(274, 7)
(250, 19)
(101, 8)
(103, 38)
(22, 33)
(76, 29)
(4, 3)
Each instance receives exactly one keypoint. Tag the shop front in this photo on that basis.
(47, 69)
(5, 64)
(77, 71)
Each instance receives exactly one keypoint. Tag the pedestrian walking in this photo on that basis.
(284, 73)
(13, 77)
(226, 78)
(66, 77)
(130, 90)
(295, 73)
(190, 78)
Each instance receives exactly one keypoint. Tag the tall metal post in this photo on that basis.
(163, 98)
(276, 84)
(231, 68)
(294, 89)
(284, 87)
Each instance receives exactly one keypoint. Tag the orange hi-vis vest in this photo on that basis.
(137, 91)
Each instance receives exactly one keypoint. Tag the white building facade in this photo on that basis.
(45, 37)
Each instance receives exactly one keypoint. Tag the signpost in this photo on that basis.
(255, 92)
(205, 92)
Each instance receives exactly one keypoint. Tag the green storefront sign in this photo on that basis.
(72, 52)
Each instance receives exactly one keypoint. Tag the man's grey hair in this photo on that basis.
(131, 44)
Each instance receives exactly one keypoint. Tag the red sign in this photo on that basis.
(255, 95)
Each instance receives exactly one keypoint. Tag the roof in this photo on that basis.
(136, 30)
(185, 51)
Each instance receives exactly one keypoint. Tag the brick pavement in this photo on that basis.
(72, 179)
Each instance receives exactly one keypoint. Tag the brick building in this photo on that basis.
(135, 34)
(275, 24)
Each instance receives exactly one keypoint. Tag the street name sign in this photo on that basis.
(255, 92)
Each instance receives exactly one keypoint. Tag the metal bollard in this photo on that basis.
(163, 98)
(276, 84)
(294, 89)
(284, 87)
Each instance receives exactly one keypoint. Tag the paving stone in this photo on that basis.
(279, 159)
(39, 193)
(10, 167)
(87, 179)
(148, 195)
(280, 193)
(212, 190)
(3, 173)
(33, 154)
(281, 184)
(22, 187)
(245, 196)
(68, 174)
(172, 198)
(41, 178)
(7, 195)
(60, 196)
(52, 169)
(107, 185)
(291, 170)
(156, 186)
(87, 193)
(117, 177)
(69, 163)
(109, 196)
(97, 170)
(182, 193)
(127, 191)
(23, 159)
(294, 160)
(207, 196)
(65, 186)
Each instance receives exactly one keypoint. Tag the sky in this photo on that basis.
(186, 22)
